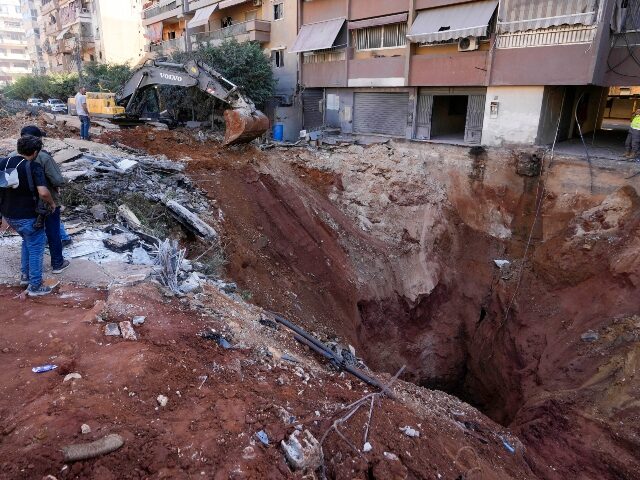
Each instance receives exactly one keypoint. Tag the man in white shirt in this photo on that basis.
(83, 113)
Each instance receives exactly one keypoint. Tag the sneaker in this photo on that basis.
(62, 267)
(24, 280)
(66, 243)
(39, 291)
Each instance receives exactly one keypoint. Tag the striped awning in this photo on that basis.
(521, 15)
(378, 21)
(452, 22)
(201, 17)
(317, 36)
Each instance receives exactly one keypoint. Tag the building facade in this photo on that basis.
(14, 58)
(469, 72)
(32, 34)
(77, 31)
(181, 25)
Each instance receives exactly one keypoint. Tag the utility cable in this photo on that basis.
(586, 149)
(541, 191)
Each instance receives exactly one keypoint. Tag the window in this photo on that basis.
(226, 22)
(386, 36)
(277, 58)
(278, 11)
(171, 35)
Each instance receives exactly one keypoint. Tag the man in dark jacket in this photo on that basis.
(55, 180)
(18, 207)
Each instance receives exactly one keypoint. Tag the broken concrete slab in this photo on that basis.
(191, 221)
(128, 333)
(66, 155)
(121, 242)
(112, 330)
(99, 212)
(129, 218)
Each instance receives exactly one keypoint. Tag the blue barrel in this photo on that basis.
(278, 132)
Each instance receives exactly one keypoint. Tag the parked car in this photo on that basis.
(35, 102)
(56, 105)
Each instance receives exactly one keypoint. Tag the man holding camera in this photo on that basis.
(22, 205)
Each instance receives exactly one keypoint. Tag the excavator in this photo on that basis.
(243, 121)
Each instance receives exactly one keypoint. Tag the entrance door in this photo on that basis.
(423, 117)
(475, 119)
(312, 108)
(385, 113)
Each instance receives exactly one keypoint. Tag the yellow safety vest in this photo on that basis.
(635, 122)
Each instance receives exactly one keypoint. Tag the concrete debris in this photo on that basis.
(410, 432)
(192, 284)
(303, 453)
(590, 336)
(502, 263)
(108, 444)
(139, 256)
(162, 400)
(191, 221)
(129, 218)
(169, 260)
(263, 437)
(99, 212)
(72, 376)
(112, 330)
(391, 456)
(128, 333)
(138, 320)
(66, 155)
(121, 242)
(367, 447)
(84, 429)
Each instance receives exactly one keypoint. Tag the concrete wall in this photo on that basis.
(367, 8)
(319, 10)
(377, 72)
(518, 115)
(445, 66)
(328, 74)
(283, 34)
(121, 31)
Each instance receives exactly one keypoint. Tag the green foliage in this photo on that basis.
(244, 64)
(96, 77)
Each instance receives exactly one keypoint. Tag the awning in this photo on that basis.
(62, 33)
(201, 17)
(231, 3)
(521, 15)
(452, 22)
(317, 36)
(376, 22)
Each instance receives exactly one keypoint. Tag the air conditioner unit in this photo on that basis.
(257, 3)
(468, 44)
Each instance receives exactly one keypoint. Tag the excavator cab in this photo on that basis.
(243, 121)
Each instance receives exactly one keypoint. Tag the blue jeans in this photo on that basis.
(32, 248)
(52, 228)
(84, 127)
(63, 233)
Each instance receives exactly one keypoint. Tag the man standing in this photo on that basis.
(633, 138)
(83, 113)
(18, 207)
(52, 224)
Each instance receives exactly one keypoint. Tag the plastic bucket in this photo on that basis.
(278, 132)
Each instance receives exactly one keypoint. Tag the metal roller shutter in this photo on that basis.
(384, 113)
(475, 119)
(312, 108)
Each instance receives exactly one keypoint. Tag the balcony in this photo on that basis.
(67, 45)
(162, 12)
(168, 46)
(48, 7)
(250, 31)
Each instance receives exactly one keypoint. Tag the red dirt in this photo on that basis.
(207, 428)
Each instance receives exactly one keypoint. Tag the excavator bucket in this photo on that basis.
(243, 126)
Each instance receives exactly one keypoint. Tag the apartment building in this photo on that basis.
(181, 25)
(32, 34)
(14, 58)
(77, 31)
(469, 72)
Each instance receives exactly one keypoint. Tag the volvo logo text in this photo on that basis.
(175, 78)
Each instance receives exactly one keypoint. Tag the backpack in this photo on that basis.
(9, 176)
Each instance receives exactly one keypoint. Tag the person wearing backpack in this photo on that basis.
(23, 184)
(52, 224)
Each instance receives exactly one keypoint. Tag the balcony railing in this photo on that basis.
(168, 46)
(154, 11)
(252, 30)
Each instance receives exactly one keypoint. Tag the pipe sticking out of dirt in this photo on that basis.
(85, 451)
